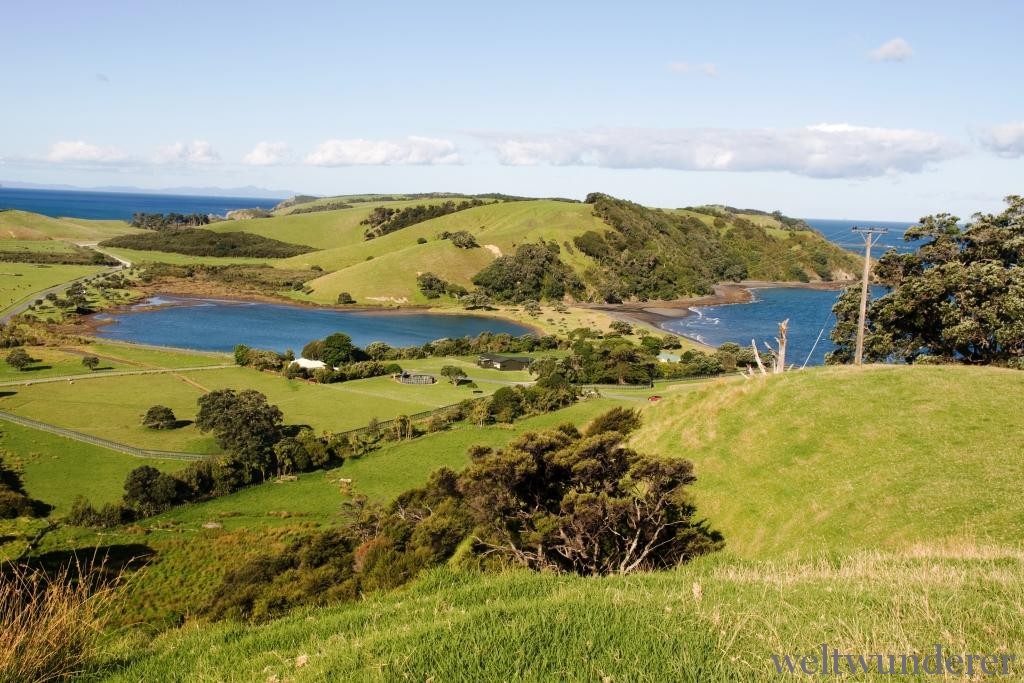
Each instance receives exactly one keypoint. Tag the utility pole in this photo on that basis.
(871, 236)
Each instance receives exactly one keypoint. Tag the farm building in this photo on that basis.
(493, 360)
(414, 378)
(308, 364)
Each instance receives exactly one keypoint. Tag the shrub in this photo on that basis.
(345, 298)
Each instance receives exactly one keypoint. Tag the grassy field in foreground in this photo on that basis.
(838, 459)
(717, 619)
(21, 282)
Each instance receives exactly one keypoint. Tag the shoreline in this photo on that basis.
(657, 313)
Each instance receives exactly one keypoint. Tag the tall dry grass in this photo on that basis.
(50, 624)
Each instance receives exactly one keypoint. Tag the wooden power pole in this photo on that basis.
(871, 236)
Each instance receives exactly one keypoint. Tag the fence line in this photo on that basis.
(98, 441)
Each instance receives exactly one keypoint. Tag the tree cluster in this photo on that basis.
(957, 298)
(384, 219)
(462, 239)
(200, 242)
(162, 221)
(533, 272)
(655, 254)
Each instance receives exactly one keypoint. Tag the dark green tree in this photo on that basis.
(245, 425)
(959, 297)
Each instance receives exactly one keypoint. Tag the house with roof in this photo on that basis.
(495, 361)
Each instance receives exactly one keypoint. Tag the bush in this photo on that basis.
(345, 298)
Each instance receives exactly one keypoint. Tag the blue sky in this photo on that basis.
(862, 110)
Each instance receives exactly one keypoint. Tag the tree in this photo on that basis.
(91, 362)
(474, 300)
(19, 359)
(454, 374)
(959, 297)
(562, 501)
(377, 350)
(345, 298)
(621, 327)
(431, 285)
(160, 417)
(244, 423)
(402, 427)
(150, 491)
(338, 350)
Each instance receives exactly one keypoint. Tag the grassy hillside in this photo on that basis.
(886, 493)
(396, 258)
(21, 282)
(385, 269)
(323, 230)
(24, 225)
(714, 620)
(838, 459)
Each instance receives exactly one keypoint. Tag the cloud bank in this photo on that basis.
(895, 50)
(408, 151)
(81, 152)
(267, 154)
(821, 151)
(197, 152)
(1006, 140)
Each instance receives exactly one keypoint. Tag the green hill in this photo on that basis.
(24, 225)
(839, 459)
(695, 249)
(872, 509)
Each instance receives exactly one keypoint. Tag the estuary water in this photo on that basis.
(218, 325)
(809, 312)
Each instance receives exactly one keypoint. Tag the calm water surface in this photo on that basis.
(215, 325)
(809, 312)
(120, 205)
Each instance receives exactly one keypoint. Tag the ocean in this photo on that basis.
(839, 231)
(120, 205)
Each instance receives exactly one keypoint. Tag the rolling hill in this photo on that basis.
(885, 493)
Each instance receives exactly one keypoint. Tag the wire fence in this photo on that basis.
(98, 441)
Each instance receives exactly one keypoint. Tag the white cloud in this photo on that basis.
(1006, 140)
(706, 69)
(77, 151)
(821, 151)
(197, 152)
(895, 50)
(412, 150)
(267, 154)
